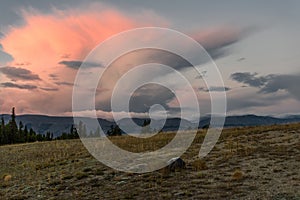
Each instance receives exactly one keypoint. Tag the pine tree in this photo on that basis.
(146, 126)
(97, 133)
(84, 133)
(1, 134)
(32, 135)
(26, 134)
(21, 135)
(13, 133)
(114, 131)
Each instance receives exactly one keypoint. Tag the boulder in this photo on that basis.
(175, 164)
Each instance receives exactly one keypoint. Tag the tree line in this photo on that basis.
(11, 133)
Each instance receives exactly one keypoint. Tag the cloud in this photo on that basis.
(75, 64)
(53, 77)
(19, 74)
(44, 40)
(241, 59)
(64, 83)
(147, 95)
(18, 86)
(49, 89)
(65, 37)
(216, 40)
(242, 101)
(4, 57)
(271, 83)
(215, 89)
(251, 79)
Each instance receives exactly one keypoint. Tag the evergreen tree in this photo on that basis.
(97, 133)
(13, 132)
(49, 136)
(84, 133)
(80, 127)
(114, 131)
(3, 132)
(146, 126)
(21, 135)
(26, 134)
(32, 135)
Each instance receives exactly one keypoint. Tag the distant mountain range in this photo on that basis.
(58, 125)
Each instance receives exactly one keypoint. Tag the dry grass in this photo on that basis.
(199, 165)
(247, 163)
(237, 175)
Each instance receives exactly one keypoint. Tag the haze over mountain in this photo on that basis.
(59, 124)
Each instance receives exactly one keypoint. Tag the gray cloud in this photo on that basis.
(18, 86)
(4, 57)
(49, 89)
(64, 83)
(215, 89)
(271, 83)
(241, 59)
(75, 64)
(19, 73)
(217, 42)
(252, 101)
(143, 98)
(251, 79)
(53, 76)
(148, 95)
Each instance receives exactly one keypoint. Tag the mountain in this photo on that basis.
(57, 125)
(252, 120)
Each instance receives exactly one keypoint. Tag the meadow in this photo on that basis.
(247, 163)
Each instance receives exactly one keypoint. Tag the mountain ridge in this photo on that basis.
(59, 124)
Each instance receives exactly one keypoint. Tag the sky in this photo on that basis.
(254, 44)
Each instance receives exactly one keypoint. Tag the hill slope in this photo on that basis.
(246, 163)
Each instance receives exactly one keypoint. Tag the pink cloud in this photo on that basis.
(45, 40)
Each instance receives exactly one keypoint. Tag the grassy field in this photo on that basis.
(246, 163)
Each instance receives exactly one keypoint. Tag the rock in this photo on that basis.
(176, 164)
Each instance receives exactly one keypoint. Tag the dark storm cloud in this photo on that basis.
(15, 73)
(148, 95)
(143, 98)
(271, 83)
(75, 64)
(18, 86)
